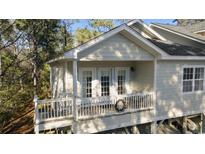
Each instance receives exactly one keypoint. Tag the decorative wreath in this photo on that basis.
(120, 105)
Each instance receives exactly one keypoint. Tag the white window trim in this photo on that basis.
(127, 79)
(81, 69)
(193, 83)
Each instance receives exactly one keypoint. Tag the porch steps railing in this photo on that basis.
(54, 109)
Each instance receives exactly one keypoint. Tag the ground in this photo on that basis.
(22, 124)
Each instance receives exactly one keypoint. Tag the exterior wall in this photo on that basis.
(61, 78)
(114, 48)
(115, 121)
(141, 79)
(171, 102)
(144, 76)
(177, 38)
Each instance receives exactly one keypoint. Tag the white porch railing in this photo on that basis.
(90, 107)
(49, 109)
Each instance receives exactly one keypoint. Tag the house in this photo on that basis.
(131, 75)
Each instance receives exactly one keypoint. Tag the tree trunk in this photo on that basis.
(0, 76)
(34, 79)
(35, 60)
(0, 72)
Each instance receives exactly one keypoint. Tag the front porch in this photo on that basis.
(54, 113)
(88, 104)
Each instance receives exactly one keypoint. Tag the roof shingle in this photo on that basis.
(176, 49)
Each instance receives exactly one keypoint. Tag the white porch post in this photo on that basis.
(75, 90)
(36, 117)
(154, 123)
(66, 79)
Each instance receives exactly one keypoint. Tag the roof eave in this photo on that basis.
(170, 57)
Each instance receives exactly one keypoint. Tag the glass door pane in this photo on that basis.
(105, 82)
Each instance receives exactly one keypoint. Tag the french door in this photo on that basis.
(105, 78)
(87, 78)
(104, 81)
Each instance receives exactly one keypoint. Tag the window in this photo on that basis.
(105, 79)
(199, 79)
(193, 79)
(187, 79)
(87, 83)
(121, 77)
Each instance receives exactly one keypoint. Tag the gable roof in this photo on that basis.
(72, 53)
(159, 49)
(143, 27)
(176, 49)
(181, 31)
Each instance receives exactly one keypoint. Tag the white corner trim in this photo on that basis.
(180, 34)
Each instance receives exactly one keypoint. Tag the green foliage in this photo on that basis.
(8, 35)
(44, 84)
(16, 90)
(84, 35)
(97, 27)
(42, 37)
(25, 44)
(66, 35)
(102, 25)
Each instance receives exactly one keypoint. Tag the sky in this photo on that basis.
(84, 23)
(164, 21)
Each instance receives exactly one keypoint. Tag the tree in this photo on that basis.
(84, 34)
(102, 25)
(42, 41)
(8, 34)
(96, 27)
(8, 37)
(25, 47)
(67, 37)
(16, 90)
